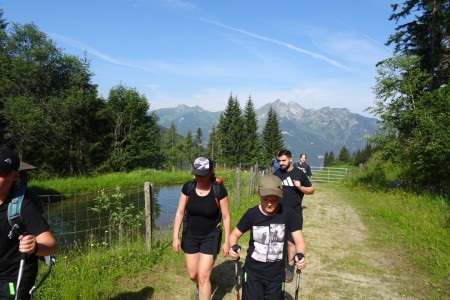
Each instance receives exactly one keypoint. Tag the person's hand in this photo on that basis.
(27, 244)
(176, 245)
(235, 252)
(225, 249)
(300, 261)
(297, 184)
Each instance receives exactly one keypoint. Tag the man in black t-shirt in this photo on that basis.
(38, 242)
(295, 185)
(265, 262)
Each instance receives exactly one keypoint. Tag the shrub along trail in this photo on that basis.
(344, 262)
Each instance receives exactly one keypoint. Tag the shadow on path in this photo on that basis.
(144, 294)
(223, 279)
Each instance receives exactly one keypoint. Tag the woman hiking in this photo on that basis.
(202, 206)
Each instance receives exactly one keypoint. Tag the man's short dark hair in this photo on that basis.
(284, 152)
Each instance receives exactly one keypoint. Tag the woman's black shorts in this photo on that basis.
(202, 243)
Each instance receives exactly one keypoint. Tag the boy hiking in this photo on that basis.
(269, 224)
(20, 246)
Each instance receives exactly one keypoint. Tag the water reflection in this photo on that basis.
(72, 219)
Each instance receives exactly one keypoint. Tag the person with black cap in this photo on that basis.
(31, 241)
(265, 263)
(202, 207)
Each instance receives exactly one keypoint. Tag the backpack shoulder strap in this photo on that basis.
(14, 207)
(191, 187)
(216, 192)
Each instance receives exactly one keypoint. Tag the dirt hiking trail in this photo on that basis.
(343, 261)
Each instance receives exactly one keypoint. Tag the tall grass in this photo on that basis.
(83, 184)
(414, 223)
(92, 271)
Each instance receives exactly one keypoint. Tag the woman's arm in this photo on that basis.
(226, 219)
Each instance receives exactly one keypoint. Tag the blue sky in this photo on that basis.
(314, 53)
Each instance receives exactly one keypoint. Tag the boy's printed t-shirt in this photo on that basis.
(265, 254)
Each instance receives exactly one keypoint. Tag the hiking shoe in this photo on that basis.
(289, 273)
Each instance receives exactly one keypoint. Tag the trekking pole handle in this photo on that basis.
(235, 248)
(300, 255)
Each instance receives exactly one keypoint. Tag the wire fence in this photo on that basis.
(73, 218)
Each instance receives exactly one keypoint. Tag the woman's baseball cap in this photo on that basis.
(202, 166)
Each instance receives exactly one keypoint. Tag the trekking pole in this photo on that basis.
(235, 248)
(23, 256)
(19, 276)
(50, 261)
(297, 281)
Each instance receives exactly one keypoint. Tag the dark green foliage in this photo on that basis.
(413, 94)
(213, 143)
(231, 134)
(344, 155)
(252, 141)
(425, 36)
(51, 113)
(272, 137)
(135, 136)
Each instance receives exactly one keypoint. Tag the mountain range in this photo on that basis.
(304, 130)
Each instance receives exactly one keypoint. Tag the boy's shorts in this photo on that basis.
(259, 289)
(202, 243)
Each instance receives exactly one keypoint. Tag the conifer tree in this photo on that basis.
(272, 136)
(252, 142)
(213, 144)
(231, 133)
(344, 155)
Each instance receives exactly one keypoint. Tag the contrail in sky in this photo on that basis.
(284, 44)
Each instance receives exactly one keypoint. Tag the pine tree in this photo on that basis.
(198, 143)
(326, 159)
(252, 143)
(344, 155)
(425, 35)
(231, 134)
(213, 144)
(272, 136)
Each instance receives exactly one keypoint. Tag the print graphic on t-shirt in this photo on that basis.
(269, 241)
(288, 181)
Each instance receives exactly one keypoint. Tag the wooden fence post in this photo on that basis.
(148, 187)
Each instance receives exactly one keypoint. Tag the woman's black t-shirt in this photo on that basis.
(203, 211)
